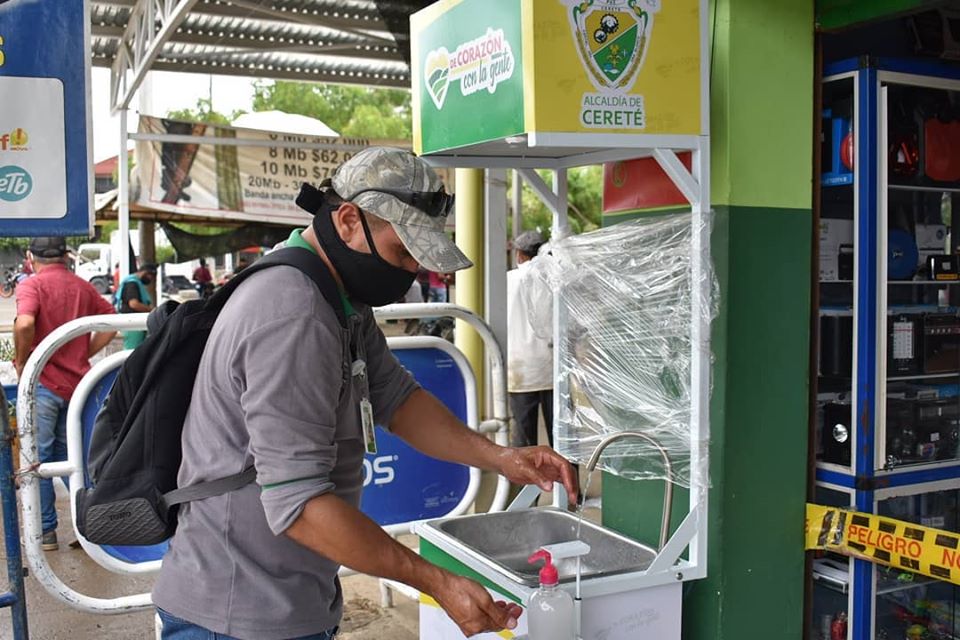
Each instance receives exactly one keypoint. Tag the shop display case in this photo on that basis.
(909, 605)
(888, 408)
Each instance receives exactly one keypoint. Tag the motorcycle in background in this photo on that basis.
(12, 276)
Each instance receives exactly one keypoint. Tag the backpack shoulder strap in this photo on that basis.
(308, 263)
(210, 489)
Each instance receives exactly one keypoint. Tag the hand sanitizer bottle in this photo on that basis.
(550, 609)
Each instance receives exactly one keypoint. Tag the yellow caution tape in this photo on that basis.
(894, 543)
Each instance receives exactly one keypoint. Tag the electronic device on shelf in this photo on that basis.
(836, 249)
(836, 346)
(904, 355)
(922, 430)
(903, 256)
(839, 133)
(931, 241)
(941, 343)
(836, 432)
(944, 267)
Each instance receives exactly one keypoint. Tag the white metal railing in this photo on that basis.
(32, 470)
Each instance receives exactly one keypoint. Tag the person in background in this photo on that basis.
(423, 279)
(27, 267)
(438, 287)
(132, 297)
(203, 279)
(51, 298)
(529, 356)
(201, 274)
(116, 277)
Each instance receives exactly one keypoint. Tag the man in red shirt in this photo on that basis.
(201, 274)
(51, 298)
(203, 279)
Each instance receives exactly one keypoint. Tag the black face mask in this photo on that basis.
(366, 276)
(147, 280)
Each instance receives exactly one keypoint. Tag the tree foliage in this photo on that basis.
(204, 112)
(354, 112)
(585, 190)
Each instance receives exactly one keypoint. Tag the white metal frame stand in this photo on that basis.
(668, 566)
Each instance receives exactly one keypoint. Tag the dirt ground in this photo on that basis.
(50, 619)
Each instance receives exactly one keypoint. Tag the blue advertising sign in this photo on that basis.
(400, 484)
(45, 154)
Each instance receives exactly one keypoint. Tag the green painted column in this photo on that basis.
(762, 135)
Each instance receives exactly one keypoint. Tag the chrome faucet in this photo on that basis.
(668, 468)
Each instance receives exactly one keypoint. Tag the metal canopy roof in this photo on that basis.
(345, 41)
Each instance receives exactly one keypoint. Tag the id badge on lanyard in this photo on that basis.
(359, 370)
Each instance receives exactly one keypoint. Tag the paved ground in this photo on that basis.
(50, 619)
(8, 310)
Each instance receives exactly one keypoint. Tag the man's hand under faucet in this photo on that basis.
(541, 466)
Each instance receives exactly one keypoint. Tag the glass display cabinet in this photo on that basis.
(888, 408)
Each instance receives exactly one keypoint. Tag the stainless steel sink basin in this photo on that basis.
(505, 540)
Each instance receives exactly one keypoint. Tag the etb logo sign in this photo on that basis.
(15, 183)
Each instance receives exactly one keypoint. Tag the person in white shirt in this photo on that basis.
(529, 354)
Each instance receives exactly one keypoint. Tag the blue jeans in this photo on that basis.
(175, 628)
(437, 294)
(51, 447)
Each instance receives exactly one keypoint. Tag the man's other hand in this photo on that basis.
(470, 606)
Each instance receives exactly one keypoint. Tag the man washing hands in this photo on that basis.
(279, 387)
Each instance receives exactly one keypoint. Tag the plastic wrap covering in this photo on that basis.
(625, 346)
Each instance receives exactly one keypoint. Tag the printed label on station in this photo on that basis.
(630, 66)
(480, 64)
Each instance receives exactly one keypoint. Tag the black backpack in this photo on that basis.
(135, 449)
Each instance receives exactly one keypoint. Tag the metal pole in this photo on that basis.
(15, 598)
(561, 220)
(470, 239)
(517, 212)
(148, 254)
(495, 254)
(123, 199)
(700, 347)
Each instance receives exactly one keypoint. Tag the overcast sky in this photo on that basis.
(169, 91)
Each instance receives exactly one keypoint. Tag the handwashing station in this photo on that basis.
(549, 85)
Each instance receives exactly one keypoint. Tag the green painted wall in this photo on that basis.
(836, 14)
(761, 130)
(761, 103)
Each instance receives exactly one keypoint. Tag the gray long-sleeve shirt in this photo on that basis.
(274, 390)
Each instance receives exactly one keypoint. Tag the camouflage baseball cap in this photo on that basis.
(397, 186)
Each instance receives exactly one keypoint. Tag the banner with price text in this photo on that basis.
(231, 182)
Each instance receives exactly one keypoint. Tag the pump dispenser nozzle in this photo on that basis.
(548, 574)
